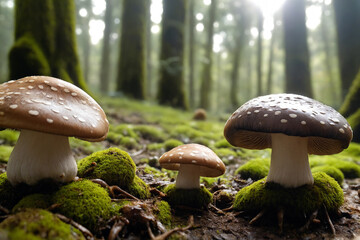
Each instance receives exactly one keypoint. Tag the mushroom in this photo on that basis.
(47, 111)
(293, 126)
(192, 161)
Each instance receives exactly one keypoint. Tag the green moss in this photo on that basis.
(154, 172)
(331, 171)
(353, 152)
(194, 198)
(5, 152)
(85, 202)
(9, 137)
(354, 121)
(151, 133)
(184, 131)
(36, 224)
(223, 144)
(155, 146)
(305, 199)
(113, 165)
(128, 142)
(9, 195)
(224, 152)
(172, 143)
(163, 212)
(85, 146)
(255, 169)
(138, 188)
(36, 200)
(349, 169)
(114, 137)
(211, 181)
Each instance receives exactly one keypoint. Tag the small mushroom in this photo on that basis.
(293, 126)
(192, 161)
(47, 111)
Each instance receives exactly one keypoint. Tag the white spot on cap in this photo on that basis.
(283, 120)
(55, 110)
(2, 113)
(30, 87)
(341, 130)
(248, 113)
(292, 115)
(49, 120)
(54, 89)
(277, 112)
(41, 86)
(266, 115)
(66, 90)
(194, 161)
(322, 122)
(303, 122)
(81, 120)
(73, 94)
(13, 106)
(256, 111)
(65, 117)
(33, 112)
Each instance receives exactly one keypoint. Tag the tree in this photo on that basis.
(105, 53)
(347, 18)
(45, 43)
(6, 38)
(274, 36)
(192, 50)
(131, 74)
(171, 83)
(206, 82)
(297, 68)
(259, 51)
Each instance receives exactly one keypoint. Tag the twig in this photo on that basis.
(218, 211)
(100, 182)
(172, 231)
(117, 188)
(117, 228)
(4, 210)
(329, 221)
(257, 217)
(311, 219)
(87, 234)
(280, 217)
(155, 191)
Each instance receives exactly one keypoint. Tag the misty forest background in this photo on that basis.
(211, 54)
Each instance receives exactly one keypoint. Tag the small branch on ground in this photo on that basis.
(329, 221)
(4, 210)
(172, 231)
(87, 234)
(257, 217)
(118, 226)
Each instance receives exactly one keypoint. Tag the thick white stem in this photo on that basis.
(188, 177)
(39, 156)
(289, 161)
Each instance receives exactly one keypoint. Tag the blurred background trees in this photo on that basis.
(188, 53)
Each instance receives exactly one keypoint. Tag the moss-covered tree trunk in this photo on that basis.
(45, 43)
(296, 48)
(131, 76)
(347, 18)
(171, 83)
(206, 81)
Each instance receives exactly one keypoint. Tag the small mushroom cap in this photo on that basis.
(251, 125)
(196, 154)
(51, 105)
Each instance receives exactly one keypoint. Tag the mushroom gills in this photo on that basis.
(38, 155)
(188, 177)
(289, 165)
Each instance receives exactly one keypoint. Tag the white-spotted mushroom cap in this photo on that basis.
(51, 105)
(250, 125)
(196, 154)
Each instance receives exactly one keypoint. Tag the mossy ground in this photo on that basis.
(255, 169)
(37, 224)
(297, 201)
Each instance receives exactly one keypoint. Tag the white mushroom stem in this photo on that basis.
(188, 177)
(39, 156)
(289, 165)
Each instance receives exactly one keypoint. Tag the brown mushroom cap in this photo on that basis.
(196, 154)
(251, 125)
(51, 105)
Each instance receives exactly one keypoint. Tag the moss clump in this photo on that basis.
(86, 147)
(255, 169)
(163, 212)
(138, 188)
(194, 198)
(305, 199)
(128, 142)
(113, 165)
(5, 152)
(331, 171)
(33, 224)
(151, 133)
(85, 202)
(349, 169)
(172, 143)
(9, 195)
(36, 200)
(9, 136)
(223, 144)
(125, 130)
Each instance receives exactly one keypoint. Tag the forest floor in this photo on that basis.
(144, 130)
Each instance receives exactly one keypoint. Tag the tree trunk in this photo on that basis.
(352, 101)
(192, 49)
(149, 50)
(45, 43)
(269, 79)
(347, 22)
(171, 83)
(132, 62)
(260, 21)
(296, 48)
(206, 83)
(105, 54)
(86, 40)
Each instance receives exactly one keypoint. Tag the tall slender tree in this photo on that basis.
(171, 83)
(347, 18)
(45, 43)
(191, 55)
(206, 81)
(297, 67)
(105, 53)
(259, 51)
(132, 62)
